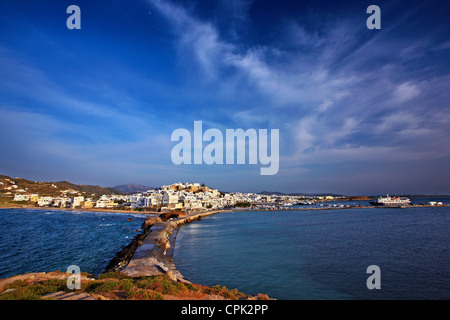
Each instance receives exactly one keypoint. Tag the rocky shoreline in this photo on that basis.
(123, 257)
(150, 252)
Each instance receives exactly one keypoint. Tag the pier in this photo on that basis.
(153, 256)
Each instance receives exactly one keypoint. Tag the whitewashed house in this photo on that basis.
(76, 201)
(169, 198)
(44, 201)
(137, 200)
(155, 199)
(21, 197)
(60, 202)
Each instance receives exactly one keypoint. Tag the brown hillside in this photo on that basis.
(20, 185)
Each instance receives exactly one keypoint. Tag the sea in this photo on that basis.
(288, 255)
(41, 240)
(322, 254)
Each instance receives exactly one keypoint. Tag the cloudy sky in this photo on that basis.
(359, 111)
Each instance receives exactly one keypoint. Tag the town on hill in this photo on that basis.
(192, 197)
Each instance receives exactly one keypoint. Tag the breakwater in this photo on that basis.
(148, 253)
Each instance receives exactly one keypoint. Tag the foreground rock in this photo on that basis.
(32, 278)
(112, 286)
(62, 295)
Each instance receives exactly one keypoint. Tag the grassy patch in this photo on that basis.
(113, 275)
(232, 294)
(161, 284)
(16, 284)
(141, 294)
(23, 291)
(116, 285)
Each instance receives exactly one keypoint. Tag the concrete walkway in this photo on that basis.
(151, 257)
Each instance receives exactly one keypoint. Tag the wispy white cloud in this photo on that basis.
(303, 86)
(332, 101)
(405, 92)
(340, 95)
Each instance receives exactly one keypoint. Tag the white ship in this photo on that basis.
(390, 201)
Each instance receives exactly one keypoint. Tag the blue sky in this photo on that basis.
(359, 111)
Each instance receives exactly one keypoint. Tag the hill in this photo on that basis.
(132, 188)
(269, 193)
(20, 185)
(299, 194)
(89, 189)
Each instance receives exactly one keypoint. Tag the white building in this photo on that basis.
(169, 198)
(76, 201)
(137, 200)
(44, 201)
(21, 197)
(101, 203)
(192, 204)
(60, 202)
(155, 199)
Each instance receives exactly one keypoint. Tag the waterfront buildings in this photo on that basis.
(175, 197)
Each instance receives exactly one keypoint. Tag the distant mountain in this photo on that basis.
(13, 185)
(132, 188)
(268, 193)
(89, 189)
(299, 194)
(317, 194)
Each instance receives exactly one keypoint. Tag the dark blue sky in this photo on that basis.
(359, 111)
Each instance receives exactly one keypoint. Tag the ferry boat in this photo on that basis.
(390, 201)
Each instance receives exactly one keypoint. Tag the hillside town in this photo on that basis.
(189, 197)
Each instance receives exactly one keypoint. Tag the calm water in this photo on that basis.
(37, 240)
(321, 254)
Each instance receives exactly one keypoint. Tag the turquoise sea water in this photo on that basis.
(40, 240)
(321, 254)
